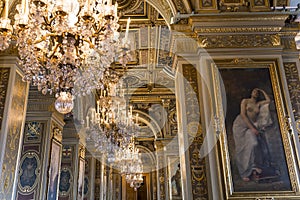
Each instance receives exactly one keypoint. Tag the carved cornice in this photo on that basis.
(237, 29)
(237, 23)
(245, 19)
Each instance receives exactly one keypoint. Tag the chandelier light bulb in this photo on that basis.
(64, 103)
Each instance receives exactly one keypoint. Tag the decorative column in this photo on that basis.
(161, 171)
(73, 163)
(39, 168)
(13, 101)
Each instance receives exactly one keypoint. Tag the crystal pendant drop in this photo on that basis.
(64, 103)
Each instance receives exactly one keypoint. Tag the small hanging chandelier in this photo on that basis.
(64, 44)
(111, 124)
(129, 163)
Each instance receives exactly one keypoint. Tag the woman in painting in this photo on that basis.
(254, 117)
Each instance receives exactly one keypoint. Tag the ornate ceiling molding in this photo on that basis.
(164, 8)
(125, 6)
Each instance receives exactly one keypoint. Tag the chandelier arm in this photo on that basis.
(98, 30)
(90, 43)
(56, 47)
(79, 10)
(48, 22)
(42, 38)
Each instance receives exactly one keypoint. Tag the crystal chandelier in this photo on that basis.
(65, 44)
(111, 124)
(129, 162)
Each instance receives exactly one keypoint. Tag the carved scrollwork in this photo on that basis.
(239, 41)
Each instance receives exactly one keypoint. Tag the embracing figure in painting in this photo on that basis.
(251, 150)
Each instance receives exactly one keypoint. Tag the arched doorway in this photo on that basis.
(142, 193)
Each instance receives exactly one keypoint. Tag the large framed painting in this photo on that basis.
(54, 170)
(256, 152)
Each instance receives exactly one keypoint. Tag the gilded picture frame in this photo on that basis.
(270, 161)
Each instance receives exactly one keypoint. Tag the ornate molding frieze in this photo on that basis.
(200, 30)
(239, 41)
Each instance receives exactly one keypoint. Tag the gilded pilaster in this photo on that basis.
(195, 134)
(13, 100)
